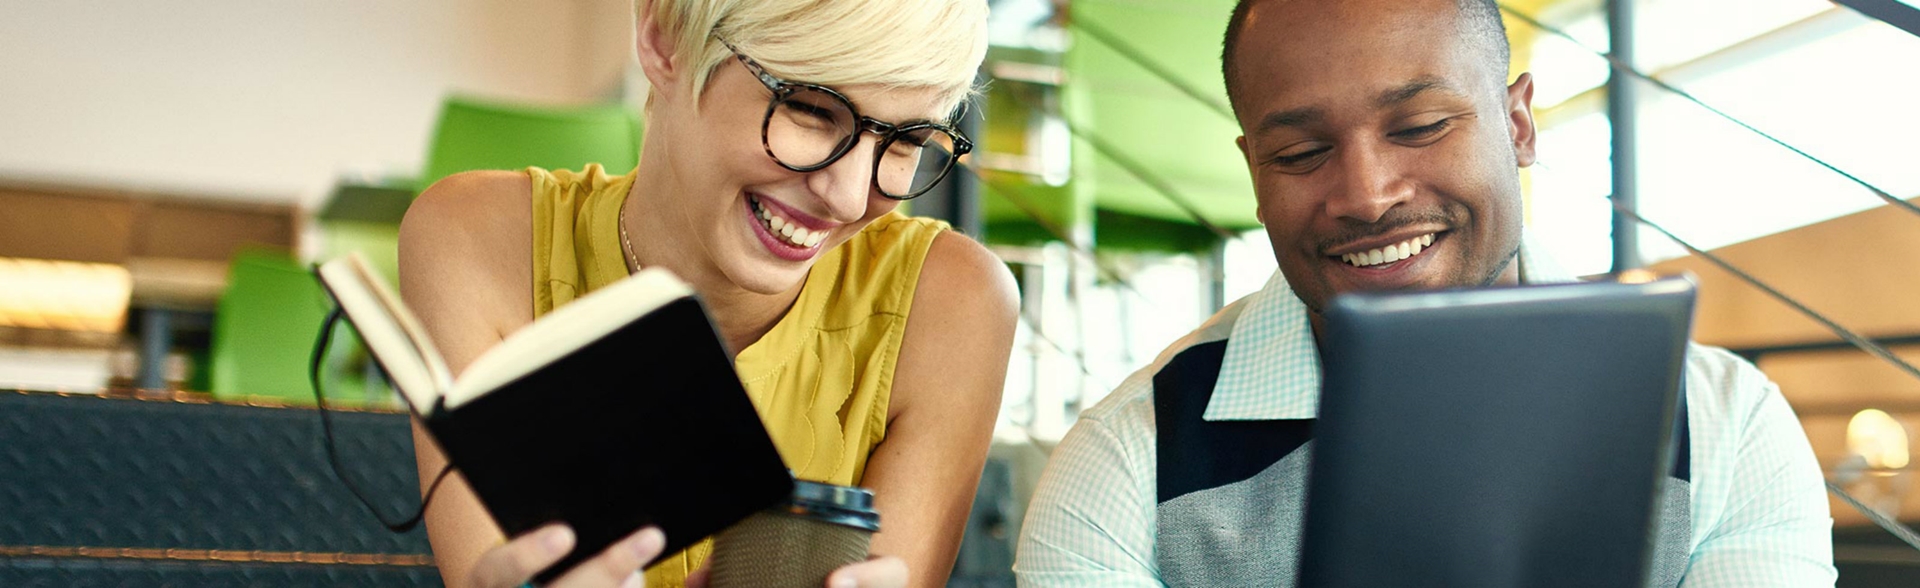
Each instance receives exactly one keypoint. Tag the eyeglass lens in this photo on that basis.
(808, 128)
(915, 160)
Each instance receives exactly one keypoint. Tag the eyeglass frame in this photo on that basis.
(862, 124)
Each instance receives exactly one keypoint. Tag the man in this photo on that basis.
(1384, 141)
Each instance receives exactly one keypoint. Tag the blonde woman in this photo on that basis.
(781, 136)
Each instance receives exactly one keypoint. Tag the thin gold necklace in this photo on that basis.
(626, 245)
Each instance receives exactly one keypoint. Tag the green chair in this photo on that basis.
(365, 219)
(476, 134)
(264, 328)
(472, 134)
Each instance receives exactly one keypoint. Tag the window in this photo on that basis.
(1817, 76)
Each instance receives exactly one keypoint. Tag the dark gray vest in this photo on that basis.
(1232, 494)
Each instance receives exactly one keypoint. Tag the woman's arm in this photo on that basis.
(946, 396)
(466, 269)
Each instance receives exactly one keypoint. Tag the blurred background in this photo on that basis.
(168, 170)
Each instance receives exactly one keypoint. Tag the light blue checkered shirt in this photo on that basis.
(1759, 505)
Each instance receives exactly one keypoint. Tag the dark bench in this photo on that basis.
(102, 491)
(112, 491)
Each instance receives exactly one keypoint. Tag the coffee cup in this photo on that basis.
(818, 529)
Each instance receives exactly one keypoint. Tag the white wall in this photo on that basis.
(272, 100)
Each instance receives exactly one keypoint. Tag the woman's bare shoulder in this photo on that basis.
(960, 330)
(476, 201)
(961, 275)
(470, 221)
(465, 254)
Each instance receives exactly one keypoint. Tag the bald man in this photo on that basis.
(1384, 142)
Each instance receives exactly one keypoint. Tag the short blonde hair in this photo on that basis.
(936, 44)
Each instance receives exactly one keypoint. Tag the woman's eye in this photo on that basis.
(811, 112)
(912, 140)
(904, 148)
(1423, 132)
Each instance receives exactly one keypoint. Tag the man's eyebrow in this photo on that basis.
(1298, 117)
(1408, 91)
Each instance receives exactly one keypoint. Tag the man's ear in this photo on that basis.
(1520, 119)
(655, 50)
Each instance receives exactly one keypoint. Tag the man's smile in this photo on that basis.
(1405, 249)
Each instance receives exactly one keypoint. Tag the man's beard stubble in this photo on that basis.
(1453, 218)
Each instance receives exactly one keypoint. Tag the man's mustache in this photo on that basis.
(1393, 221)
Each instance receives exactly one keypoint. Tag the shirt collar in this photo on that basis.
(1271, 370)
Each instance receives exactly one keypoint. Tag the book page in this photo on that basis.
(566, 329)
(410, 325)
(403, 358)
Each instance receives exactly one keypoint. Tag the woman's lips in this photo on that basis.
(782, 237)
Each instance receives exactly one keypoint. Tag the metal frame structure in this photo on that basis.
(1623, 115)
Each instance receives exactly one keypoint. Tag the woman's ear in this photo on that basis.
(655, 49)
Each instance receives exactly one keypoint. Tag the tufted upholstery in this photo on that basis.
(64, 573)
(82, 471)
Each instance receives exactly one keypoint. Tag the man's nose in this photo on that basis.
(1371, 183)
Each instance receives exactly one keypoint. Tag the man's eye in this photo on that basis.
(1424, 131)
(1299, 158)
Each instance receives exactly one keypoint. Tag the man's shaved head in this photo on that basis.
(1478, 20)
(1376, 124)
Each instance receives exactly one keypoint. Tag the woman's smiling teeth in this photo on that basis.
(786, 229)
(1390, 253)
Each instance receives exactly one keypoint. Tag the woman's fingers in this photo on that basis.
(512, 564)
(879, 572)
(698, 579)
(618, 565)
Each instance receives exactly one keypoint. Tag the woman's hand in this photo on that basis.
(879, 572)
(514, 564)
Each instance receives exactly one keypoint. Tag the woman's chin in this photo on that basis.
(762, 277)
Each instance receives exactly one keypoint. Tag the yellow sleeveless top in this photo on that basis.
(820, 378)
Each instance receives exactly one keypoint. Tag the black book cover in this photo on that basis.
(648, 425)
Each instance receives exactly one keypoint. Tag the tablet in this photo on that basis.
(1495, 437)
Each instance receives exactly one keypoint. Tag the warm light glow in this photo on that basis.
(63, 295)
(1876, 437)
(1637, 276)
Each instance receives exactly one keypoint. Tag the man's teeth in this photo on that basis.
(1390, 253)
(789, 231)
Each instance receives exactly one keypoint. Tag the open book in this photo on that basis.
(616, 411)
(403, 348)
